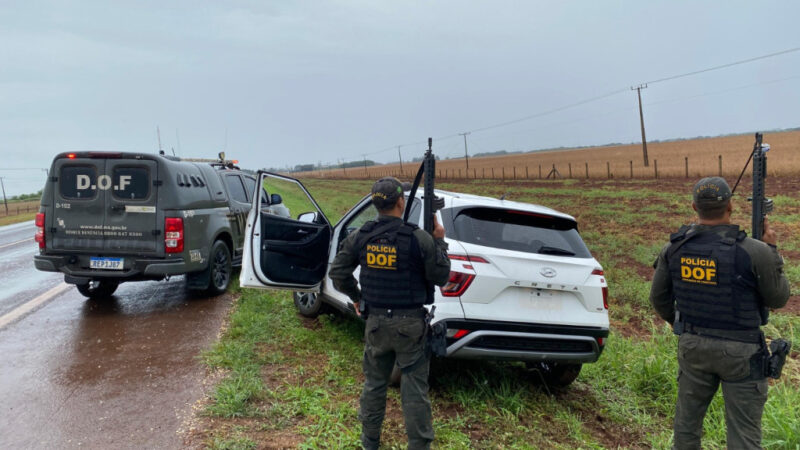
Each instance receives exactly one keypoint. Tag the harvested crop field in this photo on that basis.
(620, 161)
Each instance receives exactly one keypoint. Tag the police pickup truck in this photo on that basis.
(111, 217)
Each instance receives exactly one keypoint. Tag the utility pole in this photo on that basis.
(5, 202)
(641, 121)
(401, 158)
(466, 156)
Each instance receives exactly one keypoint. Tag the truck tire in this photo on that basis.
(555, 374)
(219, 268)
(98, 289)
(308, 304)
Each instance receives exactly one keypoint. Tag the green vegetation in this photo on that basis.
(291, 381)
(24, 217)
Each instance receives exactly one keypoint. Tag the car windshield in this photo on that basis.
(520, 231)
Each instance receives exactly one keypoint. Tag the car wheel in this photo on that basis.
(219, 268)
(556, 374)
(97, 289)
(308, 304)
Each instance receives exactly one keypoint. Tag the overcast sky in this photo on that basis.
(309, 82)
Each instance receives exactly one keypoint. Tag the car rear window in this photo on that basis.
(520, 231)
(78, 182)
(131, 183)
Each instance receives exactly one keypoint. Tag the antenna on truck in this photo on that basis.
(158, 133)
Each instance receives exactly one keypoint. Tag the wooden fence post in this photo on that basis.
(483, 173)
(587, 169)
(655, 167)
(504, 173)
(608, 169)
(493, 173)
(570, 169)
(686, 160)
(459, 173)
(720, 165)
(515, 171)
(540, 171)
(631, 164)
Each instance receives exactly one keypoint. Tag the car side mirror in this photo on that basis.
(308, 217)
(275, 199)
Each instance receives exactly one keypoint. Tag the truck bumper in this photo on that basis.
(75, 268)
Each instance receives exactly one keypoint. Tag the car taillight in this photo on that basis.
(599, 271)
(39, 237)
(476, 259)
(601, 341)
(457, 284)
(173, 235)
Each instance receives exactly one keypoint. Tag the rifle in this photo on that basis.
(761, 205)
(430, 203)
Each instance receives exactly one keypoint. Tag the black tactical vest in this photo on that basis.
(392, 266)
(710, 287)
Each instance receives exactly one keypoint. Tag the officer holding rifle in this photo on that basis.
(714, 285)
(400, 264)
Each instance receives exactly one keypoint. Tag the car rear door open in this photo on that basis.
(285, 252)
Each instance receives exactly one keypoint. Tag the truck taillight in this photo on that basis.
(39, 236)
(173, 235)
(457, 284)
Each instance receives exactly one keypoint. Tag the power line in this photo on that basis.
(736, 63)
(589, 100)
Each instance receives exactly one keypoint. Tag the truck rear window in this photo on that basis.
(131, 183)
(78, 182)
(520, 231)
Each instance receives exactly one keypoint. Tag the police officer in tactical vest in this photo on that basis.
(400, 264)
(714, 285)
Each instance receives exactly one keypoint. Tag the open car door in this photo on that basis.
(285, 252)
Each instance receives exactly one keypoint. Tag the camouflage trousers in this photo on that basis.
(387, 339)
(705, 363)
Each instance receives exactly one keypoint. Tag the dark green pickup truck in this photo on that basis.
(110, 217)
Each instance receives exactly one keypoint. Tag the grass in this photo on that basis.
(295, 382)
(24, 217)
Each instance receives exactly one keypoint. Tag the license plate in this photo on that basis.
(105, 263)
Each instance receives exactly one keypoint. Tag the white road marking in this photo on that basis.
(15, 243)
(25, 308)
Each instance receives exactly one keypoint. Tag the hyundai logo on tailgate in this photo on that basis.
(548, 272)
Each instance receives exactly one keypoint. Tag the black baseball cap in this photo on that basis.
(711, 193)
(386, 192)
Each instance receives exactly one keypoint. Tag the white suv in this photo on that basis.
(523, 286)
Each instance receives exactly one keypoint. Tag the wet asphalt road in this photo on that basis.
(117, 373)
